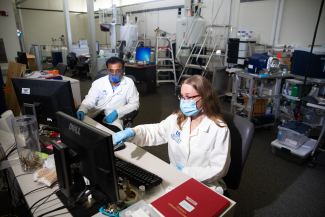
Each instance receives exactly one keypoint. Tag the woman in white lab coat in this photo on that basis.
(198, 138)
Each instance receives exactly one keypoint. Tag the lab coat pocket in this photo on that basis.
(101, 101)
(198, 158)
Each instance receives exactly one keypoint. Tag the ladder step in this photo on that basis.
(201, 56)
(165, 70)
(186, 76)
(163, 59)
(167, 65)
(206, 56)
(204, 45)
(195, 66)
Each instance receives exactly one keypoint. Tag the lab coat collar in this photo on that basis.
(119, 88)
(203, 126)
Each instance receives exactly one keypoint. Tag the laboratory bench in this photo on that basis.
(132, 153)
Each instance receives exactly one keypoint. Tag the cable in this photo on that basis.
(34, 190)
(40, 200)
(71, 204)
(45, 200)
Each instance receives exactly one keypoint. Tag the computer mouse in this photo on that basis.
(119, 147)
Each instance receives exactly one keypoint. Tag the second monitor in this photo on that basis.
(143, 54)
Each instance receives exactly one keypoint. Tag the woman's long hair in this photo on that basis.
(210, 99)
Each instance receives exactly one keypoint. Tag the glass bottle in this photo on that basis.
(142, 192)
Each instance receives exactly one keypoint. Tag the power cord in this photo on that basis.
(71, 204)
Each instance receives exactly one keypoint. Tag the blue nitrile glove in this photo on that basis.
(179, 167)
(123, 136)
(111, 117)
(80, 115)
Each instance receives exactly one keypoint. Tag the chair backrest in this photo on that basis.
(72, 60)
(62, 68)
(101, 73)
(241, 134)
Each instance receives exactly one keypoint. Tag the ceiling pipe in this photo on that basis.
(275, 17)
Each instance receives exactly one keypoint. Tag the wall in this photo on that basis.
(298, 20)
(8, 31)
(42, 26)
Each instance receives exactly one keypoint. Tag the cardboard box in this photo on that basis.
(31, 62)
(287, 62)
(259, 107)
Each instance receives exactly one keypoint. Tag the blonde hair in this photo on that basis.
(211, 103)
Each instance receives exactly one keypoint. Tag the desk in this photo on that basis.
(132, 153)
(144, 74)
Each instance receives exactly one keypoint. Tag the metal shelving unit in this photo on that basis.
(237, 78)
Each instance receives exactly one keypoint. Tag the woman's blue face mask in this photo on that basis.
(189, 107)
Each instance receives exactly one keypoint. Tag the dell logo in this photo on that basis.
(74, 128)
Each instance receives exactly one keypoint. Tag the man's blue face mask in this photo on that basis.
(115, 77)
(189, 107)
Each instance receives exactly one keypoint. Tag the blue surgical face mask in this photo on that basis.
(115, 77)
(189, 107)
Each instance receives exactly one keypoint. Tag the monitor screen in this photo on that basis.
(143, 54)
(97, 46)
(93, 157)
(43, 98)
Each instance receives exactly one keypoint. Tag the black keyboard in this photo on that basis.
(136, 175)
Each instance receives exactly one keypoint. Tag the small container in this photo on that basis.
(142, 192)
(294, 134)
(27, 138)
(139, 205)
(298, 156)
(285, 70)
(238, 34)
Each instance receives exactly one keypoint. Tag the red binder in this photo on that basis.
(191, 198)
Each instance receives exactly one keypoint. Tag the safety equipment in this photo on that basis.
(111, 117)
(189, 107)
(123, 136)
(80, 115)
(179, 167)
(115, 77)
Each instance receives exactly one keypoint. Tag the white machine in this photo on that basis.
(128, 33)
(187, 27)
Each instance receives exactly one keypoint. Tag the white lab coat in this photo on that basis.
(205, 153)
(100, 97)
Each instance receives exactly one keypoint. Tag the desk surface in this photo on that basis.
(139, 67)
(132, 153)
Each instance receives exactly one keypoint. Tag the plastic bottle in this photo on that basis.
(142, 192)
(243, 34)
(238, 34)
(251, 34)
(247, 36)
(285, 70)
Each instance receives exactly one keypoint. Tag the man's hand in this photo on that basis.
(179, 167)
(80, 115)
(111, 117)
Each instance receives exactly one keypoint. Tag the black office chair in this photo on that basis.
(241, 134)
(62, 68)
(22, 58)
(82, 68)
(72, 61)
(128, 119)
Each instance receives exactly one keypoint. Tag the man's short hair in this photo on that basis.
(114, 60)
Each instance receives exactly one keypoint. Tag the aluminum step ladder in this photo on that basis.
(162, 68)
(204, 41)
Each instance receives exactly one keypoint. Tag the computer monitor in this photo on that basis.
(43, 98)
(97, 46)
(22, 58)
(143, 54)
(89, 152)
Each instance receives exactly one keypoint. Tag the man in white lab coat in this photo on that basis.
(198, 138)
(111, 97)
